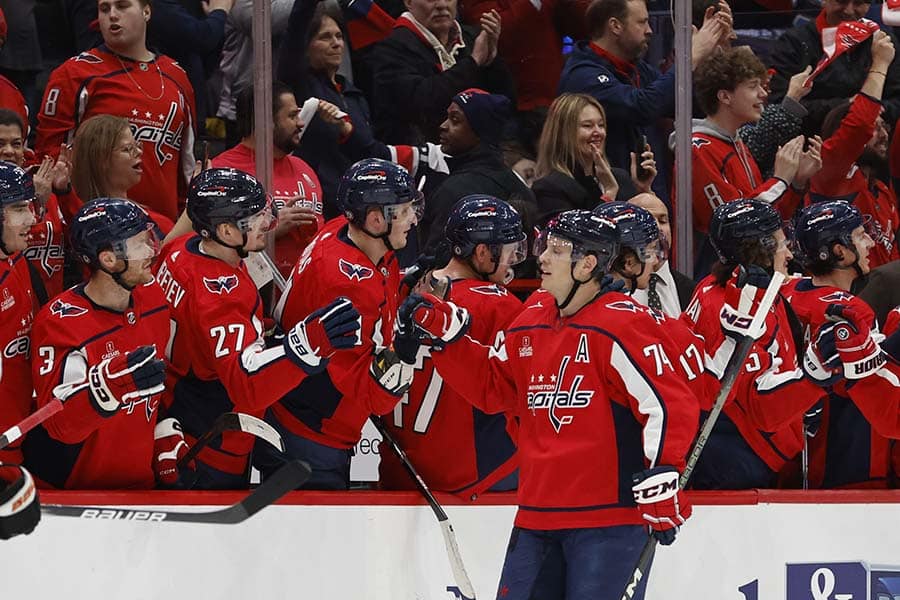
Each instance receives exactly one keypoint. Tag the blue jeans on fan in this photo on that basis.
(571, 564)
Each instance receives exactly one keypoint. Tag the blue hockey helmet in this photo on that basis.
(483, 219)
(588, 233)
(820, 226)
(637, 228)
(107, 224)
(375, 183)
(15, 186)
(224, 196)
(735, 224)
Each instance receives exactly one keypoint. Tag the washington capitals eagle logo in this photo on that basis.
(222, 284)
(352, 271)
(490, 290)
(837, 297)
(64, 309)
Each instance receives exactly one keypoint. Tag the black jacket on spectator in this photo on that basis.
(801, 47)
(411, 92)
(479, 171)
(882, 290)
(557, 192)
(320, 146)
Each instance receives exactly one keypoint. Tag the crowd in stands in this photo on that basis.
(546, 105)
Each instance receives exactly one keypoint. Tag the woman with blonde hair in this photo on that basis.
(107, 162)
(572, 169)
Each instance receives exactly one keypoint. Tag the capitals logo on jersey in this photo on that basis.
(633, 307)
(224, 284)
(354, 271)
(551, 396)
(64, 309)
(490, 290)
(842, 297)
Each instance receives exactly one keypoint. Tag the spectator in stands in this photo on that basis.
(194, 39)
(295, 189)
(635, 95)
(469, 136)
(882, 290)
(81, 16)
(236, 61)
(802, 46)
(123, 78)
(20, 60)
(672, 288)
(854, 156)
(573, 170)
(109, 163)
(424, 62)
(729, 88)
(10, 96)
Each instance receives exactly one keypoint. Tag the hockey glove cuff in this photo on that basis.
(168, 447)
(312, 341)
(661, 503)
(20, 507)
(392, 374)
(857, 346)
(743, 293)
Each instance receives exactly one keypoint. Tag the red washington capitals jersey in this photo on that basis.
(17, 307)
(46, 247)
(98, 82)
(218, 358)
(841, 179)
(332, 407)
(291, 178)
(770, 395)
(456, 447)
(846, 451)
(723, 170)
(81, 448)
(597, 398)
(11, 98)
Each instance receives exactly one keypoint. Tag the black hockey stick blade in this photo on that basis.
(289, 477)
(235, 421)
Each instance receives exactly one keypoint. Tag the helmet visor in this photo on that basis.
(558, 247)
(514, 252)
(406, 212)
(143, 246)
(263, 221)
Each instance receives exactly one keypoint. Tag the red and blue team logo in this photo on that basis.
(223, 284)
(490, 290)
(354, 271)
(64, 309)
(699, 142)
(89, 57)
(837, 297)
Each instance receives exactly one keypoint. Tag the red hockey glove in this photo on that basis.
(20, 507)
(442, 321)
(661, 502)
(856, 346)
(123, 378)
(743, 293)
(168, 447)
(312, 341)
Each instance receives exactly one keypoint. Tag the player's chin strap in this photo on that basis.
(575, 285)
(384, 237)
(495, 258)
(239, 248)
(117, 275)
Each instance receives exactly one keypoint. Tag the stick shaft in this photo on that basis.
(30, 422)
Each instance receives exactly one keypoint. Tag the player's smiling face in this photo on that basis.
(862, 242)
(123, 23)
(556, 267)
(17, 220)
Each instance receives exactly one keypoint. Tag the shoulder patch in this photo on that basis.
(88, 57)
(224, 284)
(64, 309)
(837, 297)
(353, 271)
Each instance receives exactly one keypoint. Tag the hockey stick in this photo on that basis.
(453, 554)
(732, 369)
(30, 422)
(292, 475)
(234, 421)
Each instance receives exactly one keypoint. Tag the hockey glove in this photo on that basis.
(425, 264)
(661, 502)
(20, 507)
(812, 419)
(391, 373)
(820, 362)
(856, 345)
(743, 293)
(312, 341)
(123, 378)
(442, 321)
(609, 284)
(168, 447)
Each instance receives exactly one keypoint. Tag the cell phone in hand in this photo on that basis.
(639, 150)
(201, 153)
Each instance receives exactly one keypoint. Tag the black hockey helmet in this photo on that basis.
(820, 226)
(735, 223)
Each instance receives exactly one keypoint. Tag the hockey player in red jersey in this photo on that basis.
(605, 422)
(456, 447)
(98, 347)
(17, 303)
(760, 428)
(123, 78)
(730, 88)
(219, 360)
(844, 449)
(353, 255)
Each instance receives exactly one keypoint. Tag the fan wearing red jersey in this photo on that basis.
(456, 447)
(17, 302)
(353, 255)
(97, 349)
(760, 428)
(219, 360)
(845, 450)
(604, 419)
(730, 88)
(123, 78)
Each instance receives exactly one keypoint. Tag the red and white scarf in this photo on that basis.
(840, 39)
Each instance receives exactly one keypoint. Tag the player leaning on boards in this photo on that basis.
(604, 420)
(456, 447)
(353, 256)
(219, 361)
